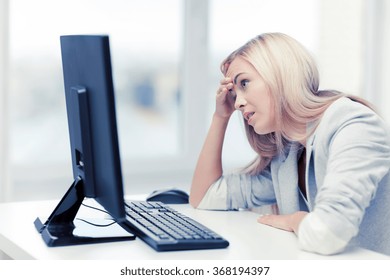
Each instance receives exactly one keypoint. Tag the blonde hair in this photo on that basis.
(291, 75)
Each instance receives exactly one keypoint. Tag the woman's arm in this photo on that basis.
(209, 166)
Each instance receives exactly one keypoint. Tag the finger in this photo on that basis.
(264, 219)
(225, 88)
(225, 80)
(276, 221)
(221, 95)
(221, 90)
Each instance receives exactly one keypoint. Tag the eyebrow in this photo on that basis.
(235, 78)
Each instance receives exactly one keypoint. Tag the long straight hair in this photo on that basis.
(291, 75)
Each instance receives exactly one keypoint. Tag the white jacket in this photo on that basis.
(347, 181)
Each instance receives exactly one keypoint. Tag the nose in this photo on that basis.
(240, 102)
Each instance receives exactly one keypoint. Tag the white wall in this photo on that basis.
(380, 87)
(340, 54)
(353, 56)
(4, 184)
(3, 256)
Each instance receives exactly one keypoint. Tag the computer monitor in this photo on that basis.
(90, 103)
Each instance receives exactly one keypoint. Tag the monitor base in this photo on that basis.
(62, 229)
(60, 236)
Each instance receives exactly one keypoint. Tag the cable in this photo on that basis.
(97, 225)
(95, 208)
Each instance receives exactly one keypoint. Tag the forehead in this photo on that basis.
(239, 65)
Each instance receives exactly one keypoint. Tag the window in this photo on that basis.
(146, 41)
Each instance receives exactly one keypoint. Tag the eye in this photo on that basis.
(233, 94)
(244, 83)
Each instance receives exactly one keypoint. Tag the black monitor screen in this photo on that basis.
(92, 124)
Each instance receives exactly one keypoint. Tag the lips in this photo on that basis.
(248, 116)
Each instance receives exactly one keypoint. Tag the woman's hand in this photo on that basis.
(286, 222)
(225, 99)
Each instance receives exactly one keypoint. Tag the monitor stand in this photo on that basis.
(60, 228)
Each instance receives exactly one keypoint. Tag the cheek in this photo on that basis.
(267, 104)
(271, 111)
(267, 123)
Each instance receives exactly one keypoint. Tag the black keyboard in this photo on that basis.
(166, 229)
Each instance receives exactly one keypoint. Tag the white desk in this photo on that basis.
(248, 239)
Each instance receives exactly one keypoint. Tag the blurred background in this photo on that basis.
(165, 59)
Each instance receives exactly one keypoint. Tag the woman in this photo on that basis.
(323, 156)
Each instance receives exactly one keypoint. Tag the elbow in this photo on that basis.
(316, 237)
(323, 247)
(197, 193)
(195, 197)
(193, 202)
(211, 197)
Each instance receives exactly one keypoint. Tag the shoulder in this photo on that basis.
(346, 113)
(344, 109)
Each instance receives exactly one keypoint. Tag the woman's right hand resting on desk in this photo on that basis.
(209, 166)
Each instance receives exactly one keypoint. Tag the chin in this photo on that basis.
(262, 131)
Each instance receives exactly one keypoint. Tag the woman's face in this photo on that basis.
(252, 96)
